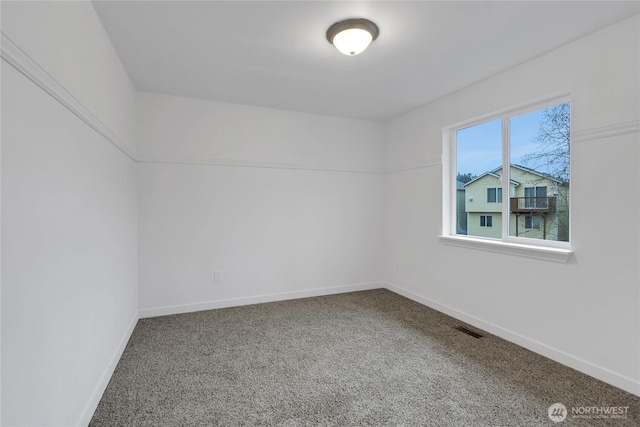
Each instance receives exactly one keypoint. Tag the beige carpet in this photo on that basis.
(363, 358)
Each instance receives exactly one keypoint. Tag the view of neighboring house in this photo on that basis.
(538, 205)
(461, 214)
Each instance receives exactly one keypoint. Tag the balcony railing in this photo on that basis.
(533, 204)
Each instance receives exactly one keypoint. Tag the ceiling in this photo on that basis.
(275, 54)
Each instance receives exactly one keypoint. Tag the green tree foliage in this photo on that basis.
(466, 177)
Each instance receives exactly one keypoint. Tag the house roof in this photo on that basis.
(533, 171)
(493, 174)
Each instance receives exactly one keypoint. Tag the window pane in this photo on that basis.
(529, 194)
(489, 221)
(541, 191)
(539, 173)
(478, 167)
(491, 195)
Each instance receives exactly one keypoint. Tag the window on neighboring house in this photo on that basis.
(536, 197)
(486, 221)
(494, 195)
(532, 222)
(524, 154)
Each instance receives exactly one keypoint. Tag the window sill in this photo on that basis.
(528, 251)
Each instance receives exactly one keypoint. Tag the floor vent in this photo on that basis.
(468, 331)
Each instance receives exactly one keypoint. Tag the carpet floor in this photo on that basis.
(363, 358)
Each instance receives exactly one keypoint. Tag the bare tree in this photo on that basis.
(553, 139)
(552, 159)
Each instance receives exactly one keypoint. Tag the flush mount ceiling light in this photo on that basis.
(352, 36)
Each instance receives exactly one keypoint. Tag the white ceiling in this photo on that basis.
(275, 54)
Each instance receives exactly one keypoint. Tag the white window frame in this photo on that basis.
(528, 247)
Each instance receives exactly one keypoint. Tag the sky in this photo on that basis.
(479, 148)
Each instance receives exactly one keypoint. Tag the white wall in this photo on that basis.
(584, 313)
(69, 213)
(70, 43)
(284, 204)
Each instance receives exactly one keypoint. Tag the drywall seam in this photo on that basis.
(415, 165)
(213, 161)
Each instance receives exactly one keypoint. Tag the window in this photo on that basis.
(535, 197)
(494, 195)
(523, 154)
(532, 222)
(486, 221)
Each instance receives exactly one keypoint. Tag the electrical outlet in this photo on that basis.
(217, 276)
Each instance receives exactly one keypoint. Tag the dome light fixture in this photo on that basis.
(352, 36)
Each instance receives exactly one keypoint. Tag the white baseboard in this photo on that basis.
(625, 383)
(98, 391)
(234, 302)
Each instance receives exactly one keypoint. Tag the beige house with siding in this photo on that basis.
(538, 205)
